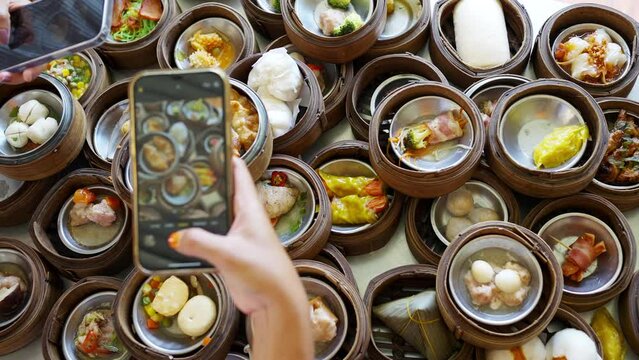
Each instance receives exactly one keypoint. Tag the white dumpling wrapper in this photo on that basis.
(581, 67)
(575, 46)
(31, 111)
(615, 55)
(278, 73)
(533, 350)
(280, 116)
(42, 130)
(600, 36)
(16, 134)
(573, 344)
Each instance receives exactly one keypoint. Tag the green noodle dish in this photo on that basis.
(134, 19)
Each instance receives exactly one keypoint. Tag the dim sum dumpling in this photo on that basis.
(571, 344)
(455, 226)
(16, 134)
(42, 130)
(31, 111)
(532, 350)
(460, 202)
(615, 55)
(581, 67)
(280, 116)
(478, 215)
(575, 46)
(599, 37)
(278, 73)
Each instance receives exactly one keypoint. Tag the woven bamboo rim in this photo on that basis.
(140, 53)
(629, 313)
(542, 184)
(502, 337)
(395, 284)
(309, 244)
(46, 287)
(54, 326)
(378, 234)
(384, 66)
(358, 329)
(99, 77)
(221, 339)
(444, 54)
(624, 199)
(269, 24)
(118, 172)
(309, 127)
(605, 211)
(62, 148)
(112, 95)
(570, 318)
(18, 208)
(169, 37)
(420, 236)
(335, 50)
(332, 256)
(335, 100)
(416, 183)
(543, 55)
(45, 236)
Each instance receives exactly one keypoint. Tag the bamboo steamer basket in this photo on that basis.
(118, 172)
(61, 149)
(115, 93)
(140, 53)
(358, 329)
(309, 244)
(221, 339)
(501, 337)
(629, 313)
(417, 183)
(335, 50)
(309, 127)
(168, 39)
(444, 54)
(391, 285)
(546, 184)
(43, 230)
(543, 58)
(422, 241)
(379, 233)
(269, 24)
(45, 288)
(333, 101)
(373, 73)
(571, 319)
(16, 207)
(332, 256)
(628, 198)
(54, 326)
(605, 211)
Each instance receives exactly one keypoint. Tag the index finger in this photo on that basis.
(5, 22)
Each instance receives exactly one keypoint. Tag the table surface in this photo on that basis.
(396, 252)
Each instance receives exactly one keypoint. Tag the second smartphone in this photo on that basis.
(181, 167)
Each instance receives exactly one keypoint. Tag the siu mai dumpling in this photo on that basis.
(582, 67)
(532, 350)
(323, 321)
(614, 56)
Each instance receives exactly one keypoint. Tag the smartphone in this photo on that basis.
(181, 162)
(46, 30)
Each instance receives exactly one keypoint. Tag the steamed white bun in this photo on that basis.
(16, 134)
(533, 350)
(278, 73)
(42, 130)
(280, 116)
(31, 111)
(572, 344)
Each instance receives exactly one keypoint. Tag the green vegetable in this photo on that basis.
(340, 4)
(14, 112)
(414, 139)
(276, 5)
(166, 322)
(146, 300)
(351, 23)
(144, 26)
(146, 289)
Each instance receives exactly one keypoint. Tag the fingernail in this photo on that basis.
(4, 36)
(174, 240)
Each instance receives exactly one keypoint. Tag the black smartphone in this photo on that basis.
(181, 162)
(46, 30)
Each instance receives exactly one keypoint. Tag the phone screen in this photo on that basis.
(49, 26)
(180, 168)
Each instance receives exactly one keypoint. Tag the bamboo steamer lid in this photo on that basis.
(43, 231)
(501, 337)
(169, 38)
(547, 184)
(358, 329)
(335, 99)
(378, 234)
(45, 289)
(308, 128)
(391, 285)
(418, 183)
(444, 54)
(61, 149)
(18, 199)
(629, 313)
(216, 349)
(140, 53)
(373, 73)
(422, 241)
(335, 50)
(624, 198)
(54, 326)
(605, 211)
(332, 256)
(543, 58)
(270, 24)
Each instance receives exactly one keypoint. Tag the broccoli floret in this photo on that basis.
(351, 23)
(340, 4)
(416, 136)
(276, 5)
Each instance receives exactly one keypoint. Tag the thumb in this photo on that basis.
(199, 243)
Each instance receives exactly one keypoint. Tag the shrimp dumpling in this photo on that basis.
(581, 67)
(31, 111)
(16, 134)
(600, 37)
(575, 46)
(42, 130)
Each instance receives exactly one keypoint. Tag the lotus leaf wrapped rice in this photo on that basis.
(560, 145)
(352, 209)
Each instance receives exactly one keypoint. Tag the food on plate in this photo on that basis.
(592, 57)
(209, 50)
(487, 108)
(31, 111)
(245, 123)
(581, 255)
(560, 145)
(42, 130)
(460, 205)
(196, 110)
(508, 287)
(340, 4)
(205, 174)
(134, 19)
(460, 202)
(180, 184)
(607, 330)
(85, 209)
(96, 337)
(481, 36)
(532, 350)
(317, 71)
(478, 215)
(170, 297)
(180, 133)
(284, 203)
(13, 292)
(455, 226)
(73, 71)
(155, 123)
(276, 5)
(338, 22)
(323, 321)
(418, 321)
(16, 134)
(158, 153)
(390, 7)
(30, 122)
(620, 165)
(571, 344)
(197, 316)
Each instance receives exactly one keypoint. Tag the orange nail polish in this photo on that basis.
(174, 240)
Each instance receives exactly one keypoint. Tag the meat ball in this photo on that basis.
(455, 226)
(478, 215)
(460, 202)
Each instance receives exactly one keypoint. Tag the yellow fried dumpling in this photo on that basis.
(560, 145)
(171, 297)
